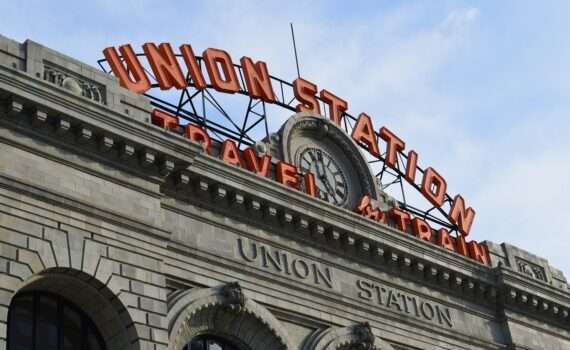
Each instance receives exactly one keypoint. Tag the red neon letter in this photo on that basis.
(215, 59)
(375, 214)
(305, 93)
(310, 186)
(393, 145)
(336, 106)
(197, 134)
(363, 133)
(287, 174)
(461, 217)
(164, 65)
(461, 245)
(140, 84)
(433, 187)
(362, 204)
(230, 154)
(257, 80)
(193, 67)
(411, 165)
(163, 119)
(421, 229)
(253, 163)
(444, 240)
(401, 218)
(478, 252)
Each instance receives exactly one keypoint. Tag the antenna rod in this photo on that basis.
(295, 49)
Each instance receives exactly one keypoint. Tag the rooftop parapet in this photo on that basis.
(75, 77)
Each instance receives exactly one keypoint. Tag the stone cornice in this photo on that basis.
(529, 297)
(35, 107)
(514, 279)
(212, 181)
(59, 104)
(219, 185)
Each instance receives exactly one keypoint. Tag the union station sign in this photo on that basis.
(327, 169)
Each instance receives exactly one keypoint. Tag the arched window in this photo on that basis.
(210, 343)
(43, 321)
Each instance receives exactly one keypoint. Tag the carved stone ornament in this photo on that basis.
(74, 84)
(224, 311)
(530, 269)
(235, 298)
(356, 337)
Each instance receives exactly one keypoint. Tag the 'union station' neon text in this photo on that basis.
(223, 77)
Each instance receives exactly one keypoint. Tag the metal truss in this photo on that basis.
(203, 107)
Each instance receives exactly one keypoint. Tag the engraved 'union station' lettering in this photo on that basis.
(284, 263)
(404, 303)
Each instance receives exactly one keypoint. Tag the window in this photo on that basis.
(43, 321)
(209, 343)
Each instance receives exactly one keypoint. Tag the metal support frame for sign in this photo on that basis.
(193, 106)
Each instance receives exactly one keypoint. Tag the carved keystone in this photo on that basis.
(364, 337)
(234, 297)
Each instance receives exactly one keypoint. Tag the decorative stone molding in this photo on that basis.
(521, 300)
(113, 148)
(356, 337)
(74, 84)
(235, 299)
(224, 311)
(194, 184)
(533, 270)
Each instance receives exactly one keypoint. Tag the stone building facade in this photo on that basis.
(158, 244)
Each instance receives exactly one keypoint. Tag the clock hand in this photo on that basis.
(327, 185)
(320, 160)
(323, 177)
(319, 170)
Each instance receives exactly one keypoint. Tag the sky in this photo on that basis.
(481, 89)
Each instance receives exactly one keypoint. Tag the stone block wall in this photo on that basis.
(83, 257)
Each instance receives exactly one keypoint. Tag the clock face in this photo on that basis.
(329, 178)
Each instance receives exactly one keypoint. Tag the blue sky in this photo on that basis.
(480, 89)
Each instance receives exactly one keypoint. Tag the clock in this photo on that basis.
(314, 144)
(330, 180)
